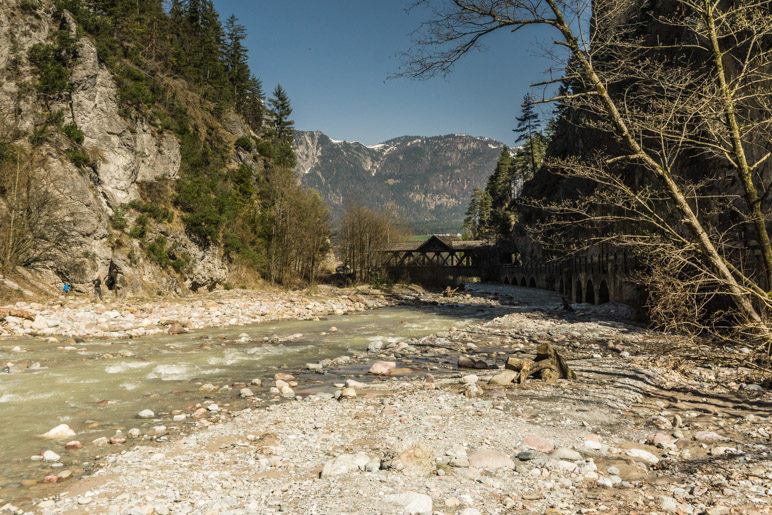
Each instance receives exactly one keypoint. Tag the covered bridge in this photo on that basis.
(441, 257)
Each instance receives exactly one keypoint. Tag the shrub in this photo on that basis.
(38, 135)
(118, 220)
(55, 118)
(156, 252)
(139, 231)
(29, 6)
(53, 75)
(204, 225)
(78, 158)
(71, 131)
(156, 212)
(244, 143)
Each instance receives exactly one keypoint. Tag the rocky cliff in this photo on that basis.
(428, 179)
(122, 156)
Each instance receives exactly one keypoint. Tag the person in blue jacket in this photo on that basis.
(66, 290)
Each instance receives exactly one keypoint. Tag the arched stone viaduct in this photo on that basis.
(592, 279)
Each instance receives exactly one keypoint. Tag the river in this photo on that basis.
(98, 387)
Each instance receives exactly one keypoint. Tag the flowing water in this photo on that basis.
(96, 391)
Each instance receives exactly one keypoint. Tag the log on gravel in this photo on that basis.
(549, 366)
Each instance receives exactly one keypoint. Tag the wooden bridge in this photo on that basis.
(441, 257)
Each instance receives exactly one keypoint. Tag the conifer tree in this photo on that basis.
(527, 126)
(283, 127)
(235, 54)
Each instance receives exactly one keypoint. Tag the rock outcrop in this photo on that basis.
(125, 151)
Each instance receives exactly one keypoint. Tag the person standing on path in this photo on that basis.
(66, 290)
(97, 288)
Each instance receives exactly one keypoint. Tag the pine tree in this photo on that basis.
(284, 128)
(499, 185)
(235, 55)
(527, 126)
(253, 109)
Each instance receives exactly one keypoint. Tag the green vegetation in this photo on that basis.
(78, 158)
(244, 143)
(118, 219)
(52, 63)
(139, 231)
(167, 257)
(29, 6)
(154, 211)
(492, 212)
(71, 131)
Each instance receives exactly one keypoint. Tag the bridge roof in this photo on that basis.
(437, 243)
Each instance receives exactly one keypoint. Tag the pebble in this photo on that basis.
(538, 443)
(668, 504)
(146, 413)
(566, 454)
(50, 456)
(490, 458)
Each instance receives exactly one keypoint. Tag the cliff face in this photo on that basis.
(429, 180)
(125, 153)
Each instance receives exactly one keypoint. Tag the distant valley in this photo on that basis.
(428, 179)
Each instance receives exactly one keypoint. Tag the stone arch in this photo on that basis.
(549, 283)
(603, 293)
(532, 283)
(589, 294)
(522, 281)
(578, 297)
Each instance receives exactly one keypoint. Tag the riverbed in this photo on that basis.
(99, 387)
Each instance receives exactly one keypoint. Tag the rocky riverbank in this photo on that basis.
(639, 431)
(82, 317)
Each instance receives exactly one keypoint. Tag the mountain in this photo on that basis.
(428, 179)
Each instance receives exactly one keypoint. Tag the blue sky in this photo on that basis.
(333, 58)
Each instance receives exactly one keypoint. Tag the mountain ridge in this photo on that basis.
(428, 179)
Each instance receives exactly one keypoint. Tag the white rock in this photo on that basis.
(51, 456)
(60, 431)
(146, 413)
(344, 464)
(382, 367)
(566, 454)
(246, 392)
(412, 502)
(643, 455)
(214, 408)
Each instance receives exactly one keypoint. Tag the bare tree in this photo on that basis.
(702, 94)
(39, 223)
(364, 233)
